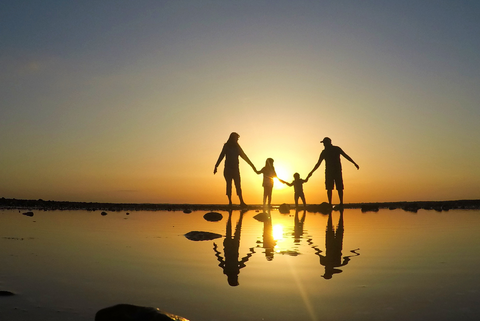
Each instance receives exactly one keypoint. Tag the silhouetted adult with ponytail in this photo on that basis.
(231, 151)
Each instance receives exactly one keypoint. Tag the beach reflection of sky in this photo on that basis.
(410, 266)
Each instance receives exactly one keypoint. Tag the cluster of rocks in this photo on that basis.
(323, 208)
(414, 207)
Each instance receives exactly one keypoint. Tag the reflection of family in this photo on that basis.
(333, 171)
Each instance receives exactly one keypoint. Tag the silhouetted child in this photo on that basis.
(268, 175)
(297, 187)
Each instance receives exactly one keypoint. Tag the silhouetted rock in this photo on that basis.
(6, 293)
(187, 211)
(370, 208)
(324, 208)
(128, 312)
(103, 213)
(213, 216)
(28, 214)
(202, 236)
(284, 208)
(262, 217)
(411, 208)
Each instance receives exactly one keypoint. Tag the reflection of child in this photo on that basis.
(268, 175)
(297, 187)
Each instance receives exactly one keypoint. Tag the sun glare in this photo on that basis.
(282, 174)
(277, 231)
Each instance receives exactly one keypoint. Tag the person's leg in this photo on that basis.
(228, 180)
(296, 201)
(329, 184)
(264, 196)
(303, 200)
(238, 187)
(268, 194)
(340, 196)
(339, 186)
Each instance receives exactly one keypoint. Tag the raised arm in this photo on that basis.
(220, 158)
(349, 159)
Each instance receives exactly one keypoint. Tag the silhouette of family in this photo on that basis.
(231, 151)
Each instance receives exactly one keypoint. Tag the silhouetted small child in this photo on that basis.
(268, 175)
(298, 188)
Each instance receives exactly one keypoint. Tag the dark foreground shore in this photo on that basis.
(40, 204)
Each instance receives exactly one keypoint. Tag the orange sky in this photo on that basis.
(134, 104)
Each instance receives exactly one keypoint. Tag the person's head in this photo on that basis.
(326, 142)
(296, 176)
(269, 162)
(233, 138)
(232, 279)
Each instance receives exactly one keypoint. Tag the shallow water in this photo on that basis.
(389, 265)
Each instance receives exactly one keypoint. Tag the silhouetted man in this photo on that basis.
(333, 168)
(231, 151)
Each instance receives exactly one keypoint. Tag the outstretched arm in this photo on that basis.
(320, 159)
(282, 181)
(220, 158)
(245, 158)
(349, 159)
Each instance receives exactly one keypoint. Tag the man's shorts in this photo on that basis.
(333, 179)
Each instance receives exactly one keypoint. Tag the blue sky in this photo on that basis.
(131, 101)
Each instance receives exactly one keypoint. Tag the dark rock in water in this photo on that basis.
(187, 211)
(103, 213)
(262, 217)
(28, 214)
(213, 216)
(6, 293)
(370, 208)
(284, 208)
(202, 236)
(127, 213)
(324, 208)
(128, 312)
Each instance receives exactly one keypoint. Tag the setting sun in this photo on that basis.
(282, 174)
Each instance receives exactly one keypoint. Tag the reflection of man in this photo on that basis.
(333, 168)
(230, 265)
(332, 259)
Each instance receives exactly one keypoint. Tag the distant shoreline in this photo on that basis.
(40, 204)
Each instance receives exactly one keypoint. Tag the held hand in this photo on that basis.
(358, 167)
(215, 171)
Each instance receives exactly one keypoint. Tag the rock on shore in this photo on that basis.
(128, 312)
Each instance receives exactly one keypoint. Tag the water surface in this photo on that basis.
(389, 265)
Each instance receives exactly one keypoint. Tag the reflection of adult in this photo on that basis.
(230, 264)
(231, 150)
(333, 168)
(332, 260)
